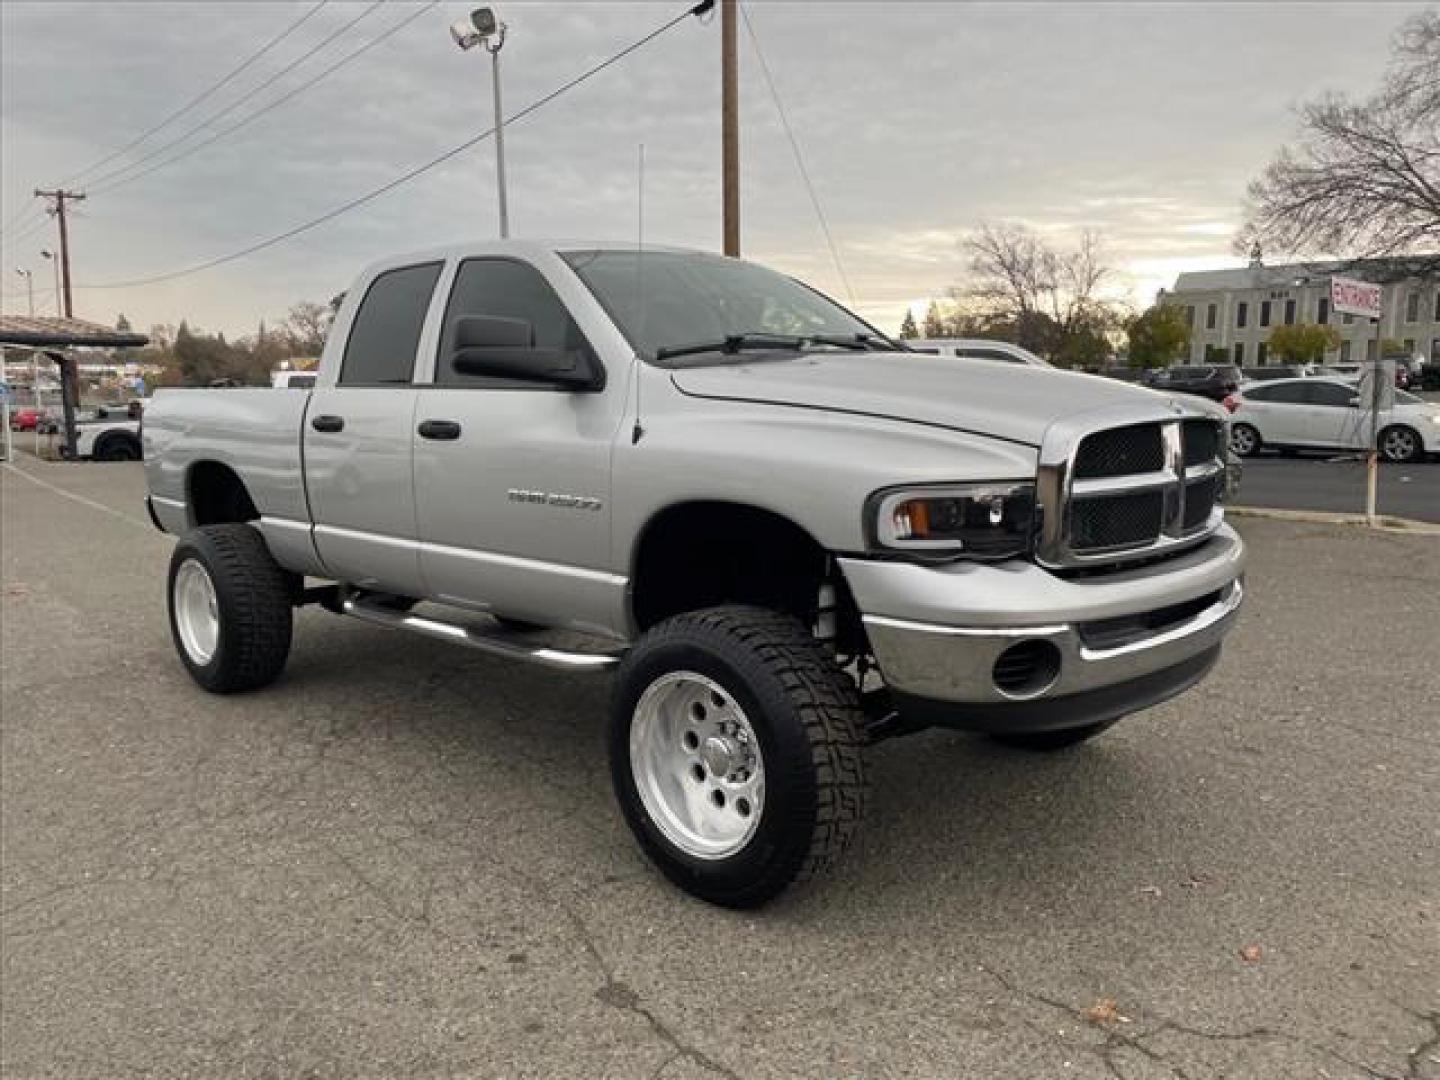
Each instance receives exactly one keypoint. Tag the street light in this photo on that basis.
(55, 262)
(483, 28)
(29, 287)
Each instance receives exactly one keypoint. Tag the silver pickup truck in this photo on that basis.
(786, 534)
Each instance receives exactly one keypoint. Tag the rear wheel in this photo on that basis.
(735, 751)
(1244, 440)
(230, 611)
(1053, 740)
(1401, 444)
(118, 448)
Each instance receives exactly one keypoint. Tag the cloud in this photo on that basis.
(1143, 122)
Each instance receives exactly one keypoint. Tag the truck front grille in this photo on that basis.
(1131, 490)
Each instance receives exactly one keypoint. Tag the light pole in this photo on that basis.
(483, 28)
(55, 262)
(29, 287)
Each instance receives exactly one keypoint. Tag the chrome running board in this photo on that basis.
(496, 642)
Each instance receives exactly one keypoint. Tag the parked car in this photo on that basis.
(25, 419)
(292, 380)
(1270, 372)
(1211, 381)
(1325, 414)
(109, 440)
(743, 519)
(978, 349)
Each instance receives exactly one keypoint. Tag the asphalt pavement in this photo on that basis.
(403, 859)
(1337, 484)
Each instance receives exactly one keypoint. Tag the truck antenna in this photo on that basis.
(637, 369)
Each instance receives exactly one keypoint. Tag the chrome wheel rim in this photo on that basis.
(1242, 440)
(1399, 445)
(697, 765)
(197, 612)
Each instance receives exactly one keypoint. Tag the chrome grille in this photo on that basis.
(1131, 488)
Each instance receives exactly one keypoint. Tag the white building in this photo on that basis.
(1235, 310)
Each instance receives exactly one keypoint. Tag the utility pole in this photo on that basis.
(61, 196)
(69, 373)
(730, 126)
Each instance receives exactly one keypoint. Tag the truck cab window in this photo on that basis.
(386, 333)
(504, 289)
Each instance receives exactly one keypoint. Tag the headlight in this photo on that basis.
(978, 521)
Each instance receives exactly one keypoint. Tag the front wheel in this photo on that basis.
(735, 751)
(1401, 445)
(230, 611)
(1244, 440)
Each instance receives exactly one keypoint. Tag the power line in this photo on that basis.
(248, 118)
(799, 158)
(104, 180)
(419, 170)
(244, 64)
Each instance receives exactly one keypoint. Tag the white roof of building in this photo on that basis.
(1305, 273)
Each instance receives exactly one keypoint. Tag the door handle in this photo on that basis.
(439, 429)
(328, 423)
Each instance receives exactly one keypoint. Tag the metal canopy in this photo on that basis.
(48, 332)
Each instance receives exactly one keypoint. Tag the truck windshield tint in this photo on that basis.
(668, 300)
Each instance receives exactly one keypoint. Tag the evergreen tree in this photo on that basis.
(908, 330)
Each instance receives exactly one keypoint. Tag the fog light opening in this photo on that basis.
(1027, 668)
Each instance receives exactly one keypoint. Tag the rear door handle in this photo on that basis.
(328, 423)
(439, 429)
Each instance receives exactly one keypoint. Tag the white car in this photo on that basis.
(1325, 414)
(978, 349)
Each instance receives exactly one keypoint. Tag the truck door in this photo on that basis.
(358, 438)
(512, 476)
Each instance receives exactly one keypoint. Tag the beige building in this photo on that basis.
(1235, 310)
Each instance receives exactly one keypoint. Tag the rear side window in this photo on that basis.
(504, 289)
(386, 332)
(1332, 394)
(1280, 393)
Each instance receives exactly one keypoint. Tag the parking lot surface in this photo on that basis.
(1326, 483)
(403, 860)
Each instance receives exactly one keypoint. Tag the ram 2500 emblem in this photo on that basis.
(550, 498)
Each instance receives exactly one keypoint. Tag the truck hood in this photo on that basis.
(1004, 401)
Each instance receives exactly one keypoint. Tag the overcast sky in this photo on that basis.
(917, 121)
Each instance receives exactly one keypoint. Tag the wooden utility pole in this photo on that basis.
(61, 196)
(730, 125)
(69, 373)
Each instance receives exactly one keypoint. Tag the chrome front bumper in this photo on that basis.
(938, 631)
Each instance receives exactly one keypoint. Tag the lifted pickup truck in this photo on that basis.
(787, 534)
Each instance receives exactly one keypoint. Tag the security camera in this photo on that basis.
(465, 34)
(484, 21)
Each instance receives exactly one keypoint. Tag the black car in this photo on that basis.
(1213, 381)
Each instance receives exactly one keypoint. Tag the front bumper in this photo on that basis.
(954, 641)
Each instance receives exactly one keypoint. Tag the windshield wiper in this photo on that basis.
(731, 344)
(863, 342)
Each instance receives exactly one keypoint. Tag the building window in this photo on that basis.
(1323, 315)
(1435, 350)
(1349, 318)
(1265, 313)
(1437, 305)
(1261, 352)
(1190, 315)
(1412, 306)
(1289, 312)
(1344, 352)
(1210, 312)
(1409, 347)
(1242, 313)
(1370, 344)
(1240, 351)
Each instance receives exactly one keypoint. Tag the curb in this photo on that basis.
(1321, 517)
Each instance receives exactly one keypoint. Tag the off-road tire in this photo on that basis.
(807, 719)
(1046, 741)
(117, 448)
(253, 596)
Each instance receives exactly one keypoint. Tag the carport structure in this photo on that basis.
(55, 337)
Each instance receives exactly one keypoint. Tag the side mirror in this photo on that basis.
(505, 349)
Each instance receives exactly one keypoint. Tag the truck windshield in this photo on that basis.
(685, 306)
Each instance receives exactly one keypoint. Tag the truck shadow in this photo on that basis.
(954, 820)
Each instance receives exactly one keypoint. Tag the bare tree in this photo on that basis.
(306, 325)
(1042, 297)
(1364, 177)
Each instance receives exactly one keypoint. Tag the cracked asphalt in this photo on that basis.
(403, 860)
